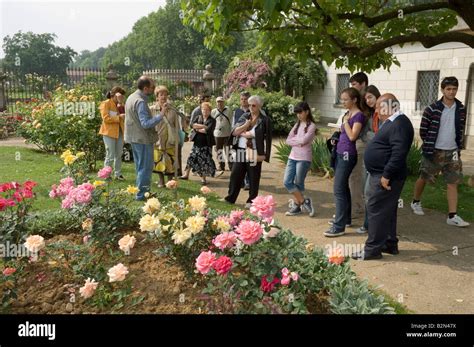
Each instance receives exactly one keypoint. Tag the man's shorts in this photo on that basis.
(447, 162)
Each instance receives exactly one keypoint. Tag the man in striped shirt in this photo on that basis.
(442, 130)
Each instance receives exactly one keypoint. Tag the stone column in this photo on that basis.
(209, 77)
(111, 76)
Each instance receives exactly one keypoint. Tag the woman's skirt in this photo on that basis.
(164, 160)
(200, 161)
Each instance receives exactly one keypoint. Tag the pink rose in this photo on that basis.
(81, 195)
(205, 261)
(222, 265)
(9, 271)
(117, 273)
(263, 207)
(105, 172)
(53, 194)
(225, 240)
(172, 184)
(285, 271)
(67, 182)
(236, 216)
(88, 289)
(249, 232)
(67, 203)
(285, 280)
(87, 186)
(85, 239)
(205, 190)
(294, 276)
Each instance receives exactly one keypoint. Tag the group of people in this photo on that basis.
(370, 160)
(369, 151)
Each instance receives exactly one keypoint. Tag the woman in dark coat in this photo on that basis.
(200, 159)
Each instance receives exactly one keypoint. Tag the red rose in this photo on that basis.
(222, 265)
(266, 286)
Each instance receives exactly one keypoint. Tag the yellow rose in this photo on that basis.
(195, 224)
(83, 98)
(37, 126)
(149, 223)
(181, 236)
(98, 183)
(69, 159)
(197, 203)
(222, 225)
(151, 206)
(65, 154)
(132, 190)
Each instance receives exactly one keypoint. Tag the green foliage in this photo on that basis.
(28, 53)
(70, 120)
(414, 159)
(160, 40)
(350, 33)
(277, 105)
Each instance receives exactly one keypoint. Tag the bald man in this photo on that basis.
(140, 132)
(385, 160)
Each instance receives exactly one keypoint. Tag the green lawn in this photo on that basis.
(434, 197)
(21, 164)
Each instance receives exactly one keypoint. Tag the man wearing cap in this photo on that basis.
(223, 117)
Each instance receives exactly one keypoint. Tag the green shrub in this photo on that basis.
(70, 120)
(321, 161)
(414, 159)
(278, 105)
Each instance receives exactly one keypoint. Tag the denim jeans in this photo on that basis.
(143, 158)
(345, 163)
(295, 175)
(113, 153)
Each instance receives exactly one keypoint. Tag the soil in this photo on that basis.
(162, 285)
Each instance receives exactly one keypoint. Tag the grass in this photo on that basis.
(21, 164)
(434, 197)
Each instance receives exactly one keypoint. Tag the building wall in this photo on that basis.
(450, 59)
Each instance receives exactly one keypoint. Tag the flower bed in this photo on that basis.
(239, 262)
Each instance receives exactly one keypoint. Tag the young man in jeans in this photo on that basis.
(442, 130)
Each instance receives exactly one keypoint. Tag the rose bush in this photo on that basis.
(70, 119)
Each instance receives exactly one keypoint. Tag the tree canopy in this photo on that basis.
(357, 34)
(36, 53)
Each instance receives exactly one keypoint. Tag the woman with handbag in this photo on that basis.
(252, 142)
(164, 151)
(200, 159)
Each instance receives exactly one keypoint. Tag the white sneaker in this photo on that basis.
(457, 221)
(361, 230)
(417, 209)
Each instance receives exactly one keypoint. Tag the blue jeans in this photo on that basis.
(295, 175)
(143, 158)
(345, 163)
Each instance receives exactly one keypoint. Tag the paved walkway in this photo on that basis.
(434, 272)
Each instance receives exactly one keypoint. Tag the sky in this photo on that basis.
(81, 25)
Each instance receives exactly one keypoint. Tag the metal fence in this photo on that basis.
(181, 83)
